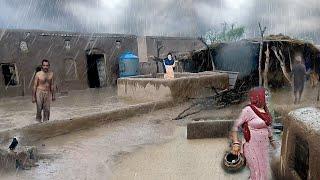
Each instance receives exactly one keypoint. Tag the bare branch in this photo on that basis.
(282, 65)
(260, 53)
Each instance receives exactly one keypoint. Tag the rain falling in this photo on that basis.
(159, 89)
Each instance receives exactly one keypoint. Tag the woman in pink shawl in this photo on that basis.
(255, 122)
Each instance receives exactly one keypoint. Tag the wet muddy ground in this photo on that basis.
(143, 147)
(148, 146)
(18, 112)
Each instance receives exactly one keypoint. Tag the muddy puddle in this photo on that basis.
(89, 154)
(178, 159)
(149, 146)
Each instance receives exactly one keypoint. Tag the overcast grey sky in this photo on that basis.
(298, 18)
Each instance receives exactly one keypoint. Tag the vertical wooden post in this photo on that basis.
(159, 47)
(266, 67)
(260, 53)
(24, 86)
(290, 60)
(318, 92)
(209, 53)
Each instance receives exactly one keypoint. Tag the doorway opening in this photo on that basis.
(96, 70)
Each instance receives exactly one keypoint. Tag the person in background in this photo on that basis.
(255, 122)
(298, 78)
(43, 91)
(169, 64)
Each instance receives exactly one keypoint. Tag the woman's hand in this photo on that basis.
(235, 149)
(273, 144)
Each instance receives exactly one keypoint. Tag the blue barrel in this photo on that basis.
(128, 65)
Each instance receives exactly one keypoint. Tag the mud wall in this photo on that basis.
(172, 44)
(169, 44)
(53, 46)
(58, 47)
(300, 145)
(186, 85)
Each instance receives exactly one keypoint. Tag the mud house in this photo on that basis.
(78, 60)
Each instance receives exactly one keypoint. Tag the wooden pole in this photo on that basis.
(260, 53)
(159, 47)
(290, 60)
(266, 67)
(24, 86)
(318, 92)
(209, 53)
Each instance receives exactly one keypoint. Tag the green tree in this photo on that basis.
(227, 34)
(235, 34)
(211, 37)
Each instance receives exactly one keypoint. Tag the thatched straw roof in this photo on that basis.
(280, 38)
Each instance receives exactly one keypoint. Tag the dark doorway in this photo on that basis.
(96, 70)
(301, 158)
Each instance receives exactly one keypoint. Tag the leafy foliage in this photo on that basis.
(225, 35)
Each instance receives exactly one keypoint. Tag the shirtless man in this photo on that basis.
(43, 91)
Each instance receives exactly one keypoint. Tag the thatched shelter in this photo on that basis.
(243, 57)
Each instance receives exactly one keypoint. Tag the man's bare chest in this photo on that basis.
(45, 78)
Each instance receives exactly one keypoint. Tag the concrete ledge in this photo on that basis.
(35, 132)
(209, 129)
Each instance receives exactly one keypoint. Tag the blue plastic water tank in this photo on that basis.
(128, 65)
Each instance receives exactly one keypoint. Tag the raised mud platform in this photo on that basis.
(184, 85)
(36, 132)
(300, 145)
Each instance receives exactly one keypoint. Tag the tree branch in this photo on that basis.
(260, 53)
(282, 65)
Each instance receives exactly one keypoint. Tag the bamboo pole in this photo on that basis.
(318, 92)
(290, 59)
(260, 52)
(266, 67)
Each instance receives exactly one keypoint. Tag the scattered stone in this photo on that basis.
(23, 158)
